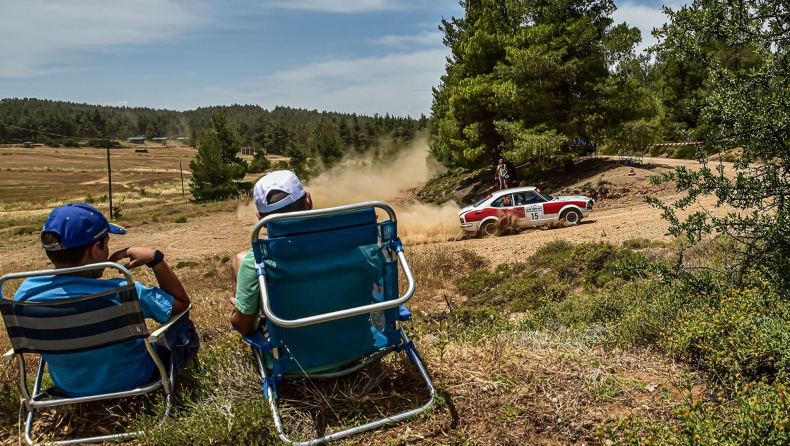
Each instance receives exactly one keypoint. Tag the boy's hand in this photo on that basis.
(137, 256)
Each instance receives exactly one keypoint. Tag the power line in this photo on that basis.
(52, 134)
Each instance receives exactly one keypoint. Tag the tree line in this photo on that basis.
(269, 130)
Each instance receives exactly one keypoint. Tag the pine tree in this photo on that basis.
(326, 144)
(217, 167)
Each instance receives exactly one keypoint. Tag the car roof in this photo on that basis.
(499, 193)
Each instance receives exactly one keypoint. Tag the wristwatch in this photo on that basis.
(158, 257)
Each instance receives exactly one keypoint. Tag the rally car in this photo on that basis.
(528, 205)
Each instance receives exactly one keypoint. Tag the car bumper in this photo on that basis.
(470, 228)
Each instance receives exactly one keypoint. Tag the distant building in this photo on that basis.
(160, 139)
(182, 138)
(248, 151)
(136, 139)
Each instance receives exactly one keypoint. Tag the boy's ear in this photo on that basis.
(308, 201)
(92, 252)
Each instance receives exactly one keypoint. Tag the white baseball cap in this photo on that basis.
(282, 180)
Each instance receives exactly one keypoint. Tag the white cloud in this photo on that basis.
(398, 84)
(427, 38)
(643, 17)
(340, 6)
(42, 36)
(122, 103)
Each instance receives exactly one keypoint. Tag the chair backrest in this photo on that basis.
(319, 264)
(75, 324)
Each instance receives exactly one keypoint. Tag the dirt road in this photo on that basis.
(617, 219)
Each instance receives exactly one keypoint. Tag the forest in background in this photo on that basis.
(271, 130)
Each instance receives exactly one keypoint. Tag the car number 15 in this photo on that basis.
(534, 212)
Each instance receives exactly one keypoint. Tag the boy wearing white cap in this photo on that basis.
(277, 192)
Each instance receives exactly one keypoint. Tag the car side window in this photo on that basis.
(503, 202)
(529, 197)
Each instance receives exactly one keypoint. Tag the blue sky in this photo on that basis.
(364, 56)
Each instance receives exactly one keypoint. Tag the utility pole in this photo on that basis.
(109, 177)
(183, 194)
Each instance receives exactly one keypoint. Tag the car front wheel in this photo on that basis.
(571, 216)
(489, 229)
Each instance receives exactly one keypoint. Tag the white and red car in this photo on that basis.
(528, 205)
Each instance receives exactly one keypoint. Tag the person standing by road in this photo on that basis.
(501, 175)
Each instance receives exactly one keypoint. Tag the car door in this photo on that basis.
(506, 206)
(532, 208)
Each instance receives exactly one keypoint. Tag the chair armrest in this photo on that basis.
(159, 332)
(9, 355)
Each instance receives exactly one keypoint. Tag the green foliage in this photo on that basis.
(299, 163)
(180, 219)
(326, 143)
(757, 415)
(525, 78)
(746, 64)
(27, 230)
(741, 334)
(216, 168)
(550, 276)
(259, 162)
(69, 142)
(186, 264)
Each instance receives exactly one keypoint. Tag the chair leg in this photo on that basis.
(410, 351)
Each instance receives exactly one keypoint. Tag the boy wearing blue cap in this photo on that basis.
(78, 234)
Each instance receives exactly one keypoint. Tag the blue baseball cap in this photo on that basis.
(78, 224)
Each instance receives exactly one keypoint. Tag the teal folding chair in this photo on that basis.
(75, 325)
(329, 292)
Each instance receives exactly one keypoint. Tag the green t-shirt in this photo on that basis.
(248, 294)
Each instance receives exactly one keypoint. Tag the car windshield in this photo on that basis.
(546, 196)
(480, 202)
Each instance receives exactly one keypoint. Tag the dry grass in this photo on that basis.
(498, 383)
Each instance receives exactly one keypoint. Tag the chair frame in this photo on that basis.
(38, 399)
(406, 344)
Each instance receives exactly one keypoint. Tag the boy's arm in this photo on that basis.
(246, 324)
(165, 277)
(244, 316)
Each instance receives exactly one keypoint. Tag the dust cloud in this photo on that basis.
(395, 182)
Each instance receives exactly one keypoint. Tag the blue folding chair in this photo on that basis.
(329, 292)
(75, 325)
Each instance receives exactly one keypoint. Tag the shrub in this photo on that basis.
(70, 142)
(685, 152)
(27, 230)
(757, 415)
(739, 334)
(637, 243)
(89, 199)
(181, 219)
(185, 264)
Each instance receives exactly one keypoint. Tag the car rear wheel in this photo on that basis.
(572, 216)
(489, 229)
